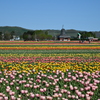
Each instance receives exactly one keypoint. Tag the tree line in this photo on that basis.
(40, 35)
(27, 36)
(7, 35)
(85, 35)
(36, 35)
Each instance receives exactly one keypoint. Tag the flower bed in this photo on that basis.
(49, 76)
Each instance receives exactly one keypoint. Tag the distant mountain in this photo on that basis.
(19, 31)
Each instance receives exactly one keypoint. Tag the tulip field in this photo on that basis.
(49, 70)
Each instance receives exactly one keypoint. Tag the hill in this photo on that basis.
(19, 31)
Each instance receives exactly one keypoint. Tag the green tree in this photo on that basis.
(36, 35)
(29, 35)
(49, 37)
(0, 35)
(12, 34)
(7, 36)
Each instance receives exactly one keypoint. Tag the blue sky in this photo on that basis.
(81, 15)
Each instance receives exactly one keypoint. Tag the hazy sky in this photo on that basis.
(51, 14)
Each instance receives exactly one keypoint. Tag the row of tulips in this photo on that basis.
(47, 43)
(52, 66)
(48, 59)
(56, 55)
(50, 48)
(27, 62)
(59, 85)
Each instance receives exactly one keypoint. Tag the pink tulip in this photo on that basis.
(25, 91)
(87, 88)
(54, 83)
(32, 95)
(96, 81)
(88, 98)
(49, 98)
(0, 72)
(55, 95)
(47, 85)
(11, 83)
(13, 98)
(1, 94)
(20, 82)
(56, 89)
(5, 98)
(41, 90)
(68, 92)
(22, 91)
(60, 95)
(31, 86)
(42, 98)
(94, 88)
(76, 75)
(6, 76)
(79, 94)
(44, 89)
(23, 81)
(17, 88)
(65, 80)
(20, 76)
(73, 78)
(1, 98)
(27, 85)
(7, 82)
(55, 76)
(82, 95)
(35, 86)
(85, 77)
(71, 87)
(69, 80)
(7, 90)
(65, 86)
(69, 76)
(1, 81)
(65, 91)
(13, 93)
(38, 80)
(18, 98)
(73, 96)
(62, 90)
(90, 93)
(75, 88)
(37, 95)
(81, 89)
(69, 96)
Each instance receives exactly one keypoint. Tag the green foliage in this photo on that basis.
(50, 34)
(85, 35)
(0, 35)
(36, 35)
(7, 36)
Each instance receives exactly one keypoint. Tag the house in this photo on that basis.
(93, 39)
(63, 36)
